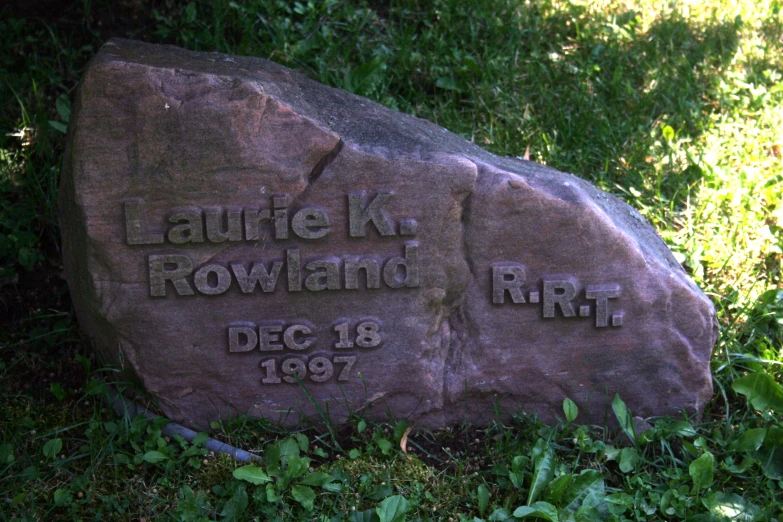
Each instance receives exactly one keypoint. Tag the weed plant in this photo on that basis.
(675, 107)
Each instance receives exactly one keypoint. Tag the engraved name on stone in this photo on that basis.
(508, 280)
(557, 296)
(217, 225)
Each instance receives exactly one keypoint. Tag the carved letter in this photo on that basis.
(190, 232)
(133, 235)
(411, 265)
(258, 274)
(501, 283)
(602, 294)
(293, 262)
(159, 274)
(327, 278)
(251, 339)
(253, 219)
(359, 216)
(371, 267)
(214, 225)
(281, 202)
(289, 337)
(268, 340)
(201, 279)
(310, 223)
(552, 298)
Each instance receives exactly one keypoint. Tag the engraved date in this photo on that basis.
(317, 368)
(278, 336)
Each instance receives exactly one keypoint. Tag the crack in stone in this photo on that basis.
(455, 319)
(319, 168)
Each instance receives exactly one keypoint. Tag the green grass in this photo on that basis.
(675, 107)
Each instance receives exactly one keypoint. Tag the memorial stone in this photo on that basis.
(244, 240)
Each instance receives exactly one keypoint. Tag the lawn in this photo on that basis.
(677, 108)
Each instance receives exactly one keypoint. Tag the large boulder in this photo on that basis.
(244, 240)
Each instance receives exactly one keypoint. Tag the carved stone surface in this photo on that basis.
(245, 240)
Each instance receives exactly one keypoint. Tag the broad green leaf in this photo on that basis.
(57, 390)
(235, 506)
(519, 463)
(192, 506)
(543, 510)
(361, 426)
(368, 515)
(58, 126)
(483, 498)
(252, 473)
(52, 448)
(752, 439)
(287, 448)
(271, 495)
(771, 454)
(154, 456)
(538, 449)
(392, 509)
(63, 106)
(629, 457)
(399, 430)
(624, 418)
(761, 390)
(333, 487)
(355, 453)
(30, 473)
(588, 481)
(62, 497)
(523, 511)
(96, 387)
(381, 492)
(297, 466)
(570, 409)
(516, 478)
(701, 471)
(200, 438)
(385, 445)
(499, 515)
(317, 478)
(319, 452)
(731, 506)
(558, 487)
(743, 466)
(594, 499)
(683, 429)
(272, 458)
(588, 514)
(6, 454)
(542, 474)
(190, 13)
(301, 440)
(304, 495)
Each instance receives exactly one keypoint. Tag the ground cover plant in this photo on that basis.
(676, 108)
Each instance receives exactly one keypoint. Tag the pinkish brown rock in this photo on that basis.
(237, 236)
